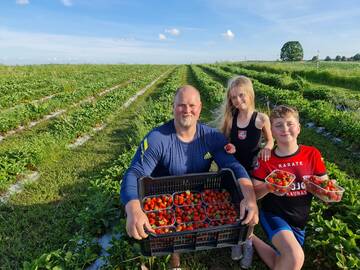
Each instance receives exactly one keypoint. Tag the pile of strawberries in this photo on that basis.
(158, 202)
(215, 196)
(326, 190)
(221, 211)
(189, 213)
(279, 182)
(189, 210)
(187, 198)
(161, 218)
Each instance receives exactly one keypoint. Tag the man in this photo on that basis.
(178, 147)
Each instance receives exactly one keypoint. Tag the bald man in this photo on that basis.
(181, 146)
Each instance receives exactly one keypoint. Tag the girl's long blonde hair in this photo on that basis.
(228, 109)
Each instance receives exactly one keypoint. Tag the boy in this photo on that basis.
(283, 218)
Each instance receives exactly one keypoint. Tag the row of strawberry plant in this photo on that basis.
(341, 98)
(333, 233)
(24, 84)
(102, 211)
(345, 232)
(70, 126)
(22, 115)
(12, 165)
(340, 123)
(313, 75)
(210, 90)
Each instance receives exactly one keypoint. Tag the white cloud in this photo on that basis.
(162, 37)
(22, 2)
(173, 31)
(39, 48)
(229, 35)
(67, 3)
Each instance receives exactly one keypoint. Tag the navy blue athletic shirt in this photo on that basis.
(246, 141)
(162, 153)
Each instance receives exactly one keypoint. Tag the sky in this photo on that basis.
(172, 31)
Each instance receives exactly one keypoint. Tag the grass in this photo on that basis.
(43, 217)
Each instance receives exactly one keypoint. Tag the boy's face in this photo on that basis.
(286, 129)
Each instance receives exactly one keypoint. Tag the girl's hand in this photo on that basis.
(265, 154)
(230, 148)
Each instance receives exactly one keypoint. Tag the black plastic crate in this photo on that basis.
(201, 239)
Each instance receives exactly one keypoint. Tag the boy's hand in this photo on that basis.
(230, 148)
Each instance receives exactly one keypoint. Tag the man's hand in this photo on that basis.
(252, 215)
(248, 204)
(136, 220)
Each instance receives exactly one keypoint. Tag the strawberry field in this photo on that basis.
(57, 220)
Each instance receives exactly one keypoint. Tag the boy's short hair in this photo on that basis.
(281, 111)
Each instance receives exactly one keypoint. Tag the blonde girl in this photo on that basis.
(243, 126)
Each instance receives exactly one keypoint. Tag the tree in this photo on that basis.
(315, 58)
(343, 58)
(327, 58)
(338, 58)
(292, 51)
(356, 57)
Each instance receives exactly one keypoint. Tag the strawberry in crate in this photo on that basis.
(187, 198)
(158, 202)
(215, 196)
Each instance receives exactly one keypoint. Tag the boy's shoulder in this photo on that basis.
(308, 148)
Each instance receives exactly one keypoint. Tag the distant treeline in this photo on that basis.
(356, 57)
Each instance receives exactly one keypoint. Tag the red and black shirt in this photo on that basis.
(294, 206)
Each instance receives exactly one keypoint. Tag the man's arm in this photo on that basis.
(261, 189)
(248, 203)
(144, 162)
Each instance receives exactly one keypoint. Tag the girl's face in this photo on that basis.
(239, 98)
(286, 129)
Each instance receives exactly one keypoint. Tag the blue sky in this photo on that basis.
(171, 31)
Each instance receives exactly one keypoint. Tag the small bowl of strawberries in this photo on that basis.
(326, 190)
(279, 182)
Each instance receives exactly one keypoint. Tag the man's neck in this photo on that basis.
(286, 150)
(185, 134)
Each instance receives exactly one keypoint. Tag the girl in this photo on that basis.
(243, 126)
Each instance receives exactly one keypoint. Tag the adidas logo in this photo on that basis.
(207, 156)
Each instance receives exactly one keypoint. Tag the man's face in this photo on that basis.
(187, 108)
(286, 129)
